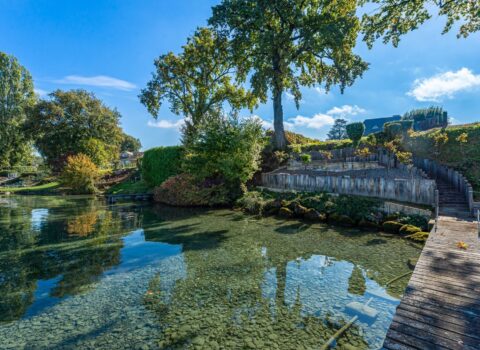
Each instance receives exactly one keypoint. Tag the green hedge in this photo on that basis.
(159, 163)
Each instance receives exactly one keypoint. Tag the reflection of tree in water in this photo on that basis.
(356, 282)
(79, 253)
(220, 302)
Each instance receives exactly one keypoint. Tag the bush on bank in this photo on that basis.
(160, 163)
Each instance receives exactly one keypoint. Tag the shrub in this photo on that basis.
(185, 190)
(392, 226)
(392, 130)
(418, 236)
(306, 159)
(252, 202)
(355, 132)
(227, 149)
(160, 163)
(80, 174)
(409, 229)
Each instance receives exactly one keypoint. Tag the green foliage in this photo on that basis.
(252, 202)
(283, 45)
(446, 146)
(409, 229)
(73, 122)
(299, 139)
(80, 174)
(186, 190)
(355, 132)
(392, 226)
(99, 152)
(226, 149)
(160, 163)
(197, 82)
(306, 159)
(391, 19)
(130, 144)
(392, 130)
(338, 130)
(16, 100)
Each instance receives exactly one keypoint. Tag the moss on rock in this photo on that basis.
(313, 215)
(418, 236)
(409, 230)
(285, 212)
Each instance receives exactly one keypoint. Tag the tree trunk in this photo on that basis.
(280, 141)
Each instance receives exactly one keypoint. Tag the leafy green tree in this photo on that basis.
(355, 132)
(130, 144)
(196, 82)
(73, 122)
(338, 130)
(286, 44)
(80, 174)
(391, 19)
(227, 150)
(16, 99)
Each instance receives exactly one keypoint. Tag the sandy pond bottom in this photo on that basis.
(77, 274)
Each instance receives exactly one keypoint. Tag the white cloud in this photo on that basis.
(98, 80)
(40, 92)
(320, 90)
(166, 124)
(444, 85)
(346, 110)
(318, 121)
(266, 124)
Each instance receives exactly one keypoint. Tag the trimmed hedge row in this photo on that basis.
(160, 163)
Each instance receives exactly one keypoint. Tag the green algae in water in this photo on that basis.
(76, 273)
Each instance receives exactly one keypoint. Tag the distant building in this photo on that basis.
(376, 125)
(129, 158)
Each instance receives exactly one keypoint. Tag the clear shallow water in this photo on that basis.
(78, 274)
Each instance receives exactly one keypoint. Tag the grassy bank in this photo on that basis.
(49, 187)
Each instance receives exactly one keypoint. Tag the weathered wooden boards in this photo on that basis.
(441, 306)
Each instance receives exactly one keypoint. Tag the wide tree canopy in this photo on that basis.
(130, 144)
(16, 99)
(73, 122)
(196, 82)
(286, 44)
(390, 19)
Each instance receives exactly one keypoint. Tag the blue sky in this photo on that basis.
(108, 47)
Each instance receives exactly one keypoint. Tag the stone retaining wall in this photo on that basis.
(415, 190)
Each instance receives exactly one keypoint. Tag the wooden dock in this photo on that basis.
(441, 305)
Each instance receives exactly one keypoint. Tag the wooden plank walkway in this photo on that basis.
(441, 305)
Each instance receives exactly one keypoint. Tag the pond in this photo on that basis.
(76, 273)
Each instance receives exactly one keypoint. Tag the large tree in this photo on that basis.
(72, 122)
(391, 19)
(197, 82)
(285, 44)
(16, 99)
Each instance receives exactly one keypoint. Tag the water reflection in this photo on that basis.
(51, 246)
(87, 275)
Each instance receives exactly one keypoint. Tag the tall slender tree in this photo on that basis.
(16, 99)
(285, 44)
